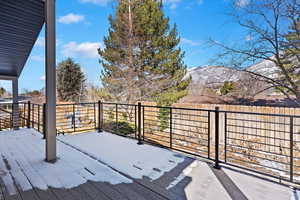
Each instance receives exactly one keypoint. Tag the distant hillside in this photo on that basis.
(212, 75)
(217, 75)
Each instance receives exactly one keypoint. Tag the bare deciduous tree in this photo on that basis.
(273, 28)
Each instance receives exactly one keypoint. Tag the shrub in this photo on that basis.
(227, 88)
(123, 128)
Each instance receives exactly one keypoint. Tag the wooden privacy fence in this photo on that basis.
(260, 139)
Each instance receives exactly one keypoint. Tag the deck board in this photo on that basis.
(6, 195)
(94, 193)
(109, 191)
(45, 194)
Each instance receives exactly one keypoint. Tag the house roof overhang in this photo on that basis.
(20, 24)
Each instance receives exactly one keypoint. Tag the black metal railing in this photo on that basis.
(12, 115)
(265, 143)
(72, 118)
(260, 142)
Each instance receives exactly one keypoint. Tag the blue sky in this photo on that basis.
(82, 24)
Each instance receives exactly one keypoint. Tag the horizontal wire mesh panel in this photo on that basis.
(36, 117)
(180, 129)
(10, 111)
(75, 118)
(120, 119)
(296, 150)
(261, 142)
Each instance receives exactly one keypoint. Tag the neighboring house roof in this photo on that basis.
(20, 24)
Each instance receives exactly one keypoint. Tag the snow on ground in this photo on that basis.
(124, 154)
(22, 156)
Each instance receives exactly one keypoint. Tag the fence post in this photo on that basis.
(28, 114)
(44, 121)
(100, 116)
(171, 128)
(217, 161)
(291, 149)
(140, 123)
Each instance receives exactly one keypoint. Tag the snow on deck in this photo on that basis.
(22, 161)
(99, 156)
(125, 155)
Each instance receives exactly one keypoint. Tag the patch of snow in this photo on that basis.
(124, 154)
(22, 164)
(184, 174)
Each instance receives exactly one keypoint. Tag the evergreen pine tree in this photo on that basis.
(70, 81)
(141, 58)
(291, 56)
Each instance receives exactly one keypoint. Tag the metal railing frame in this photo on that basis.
(34, 117)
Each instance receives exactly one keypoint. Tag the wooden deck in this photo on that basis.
(77, 176)
(87, 191)
(21, 170)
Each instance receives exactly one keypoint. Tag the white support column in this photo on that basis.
(15, 107)
(50, 125)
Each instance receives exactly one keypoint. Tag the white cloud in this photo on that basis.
(242, 3)
(43, 78)
(99, 2)
(71, 18)
(172, 3)
(85, 49)
(189, 42)
(37, 58)
(40, 42)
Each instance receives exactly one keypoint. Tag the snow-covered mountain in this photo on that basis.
(215, 75)
(212, 75)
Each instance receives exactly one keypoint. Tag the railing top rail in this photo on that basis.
(121, 104)
(7, 103)
(71, 104)
(261, 114)
(179, 108)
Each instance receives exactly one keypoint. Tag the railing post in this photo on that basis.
(100, 116)
(95, 120)
(217, 165)
(28, 114)
(171, 128)
(73, 119)
(225, 135)
(143, 122)
(117, 125)
(140, 123)
(32, 116)
(44, 121)
(208, 135)
(135, 124)
(38, 118)
(291, 149)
